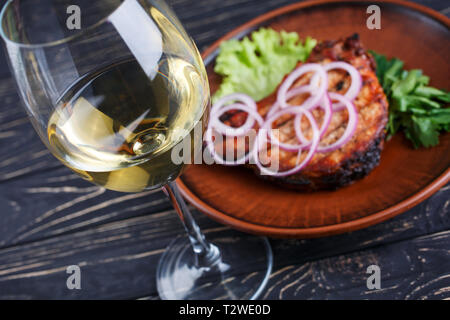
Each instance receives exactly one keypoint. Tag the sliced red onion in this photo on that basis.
(297, 73)
(317, 88)
(289, 95)
(224, 101)
(315, 81)
(325, 104)
(242, 97)
(222, 128)
(351, 124)
(252, 113)
(311, 151)
(268, 127)
(355, 86)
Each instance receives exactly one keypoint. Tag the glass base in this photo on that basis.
(241, 272)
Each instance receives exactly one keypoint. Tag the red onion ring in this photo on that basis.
(325, 104)
(224, 129)
(289, 95)
(351, 124)
(241, 97)
(311, 151)
(268, 127)
(297, 73)
(355, 86)
(253, 114)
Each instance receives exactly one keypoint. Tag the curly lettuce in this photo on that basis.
(256, 66)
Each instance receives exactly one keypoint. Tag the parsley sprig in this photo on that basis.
(415, 108)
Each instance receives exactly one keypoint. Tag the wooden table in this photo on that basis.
(50, 218)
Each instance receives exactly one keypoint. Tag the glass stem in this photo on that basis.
(206, 254)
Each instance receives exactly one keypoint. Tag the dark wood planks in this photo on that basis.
(410, 269)
(50, 219)
(62, 203)
(119, 259)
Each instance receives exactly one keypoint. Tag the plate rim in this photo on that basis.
(327, 230)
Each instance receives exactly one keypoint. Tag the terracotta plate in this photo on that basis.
(405, 176)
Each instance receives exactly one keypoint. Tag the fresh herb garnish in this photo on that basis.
(256, 66)
(415, 108)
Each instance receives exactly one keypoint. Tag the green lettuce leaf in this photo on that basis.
(257, 66)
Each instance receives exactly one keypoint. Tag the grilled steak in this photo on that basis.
(357, 157)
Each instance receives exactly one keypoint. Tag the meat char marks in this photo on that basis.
(355, 159)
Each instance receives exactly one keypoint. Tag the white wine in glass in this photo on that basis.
(128, 151)
(112, 98)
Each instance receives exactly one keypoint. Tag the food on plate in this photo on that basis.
(327, 118)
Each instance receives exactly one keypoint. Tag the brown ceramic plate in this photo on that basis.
(236, 197)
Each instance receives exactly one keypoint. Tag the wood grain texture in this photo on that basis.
(118, 259)
(50, 219)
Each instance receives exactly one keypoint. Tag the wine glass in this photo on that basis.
(113, 87)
